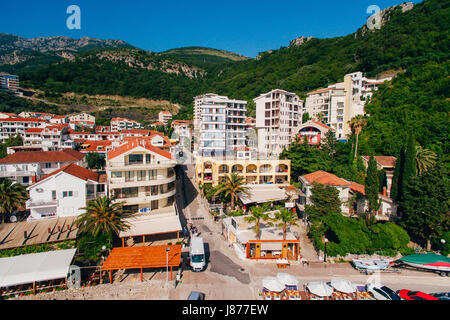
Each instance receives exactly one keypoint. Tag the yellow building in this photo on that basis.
(270, 171)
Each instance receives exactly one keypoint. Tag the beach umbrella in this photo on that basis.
(287, 279)
(319, 288)
(343, 285)
(272, 284)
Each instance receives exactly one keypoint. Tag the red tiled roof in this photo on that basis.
(22, 120)
(75, 171)
(165, 112)
(134, 143)
(325, 178)
(43, 156)
(137, 131)
(357, 188)
(157, 124)
(322, 125)
(385, 161)
(34, 130)
(59, 117)
(95, 144)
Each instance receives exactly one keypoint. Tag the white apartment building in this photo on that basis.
(342, 101)
(278, 113)
(64, 192)
(26, 167)
(219, 125)
(51, 137)
(164, 116)
(82, 117)
(142, 176)
(18, 126)
(119, 124)
(36, 115)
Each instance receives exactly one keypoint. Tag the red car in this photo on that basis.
(415, 295)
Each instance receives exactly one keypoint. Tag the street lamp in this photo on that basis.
(167, 266)
(325, 255)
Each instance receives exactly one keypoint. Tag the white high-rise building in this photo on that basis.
(278, 113)
(342, 101)
(219, 125)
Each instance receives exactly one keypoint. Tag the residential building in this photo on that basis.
(386, 163)
(59, 119)
(50, 137)
(135, 132)
(6, 115)
(141, 175)
(156, 124)
(119, 124)
(278, 113)
(347, 189)
(98, 146)
(27, 167)
(269, 171)
(18, 126)
(82, 117)
(340, 102)
(219, 125)
(164, 117)
(313, 131)
(64, 192)
(182, 128)
(9, 82)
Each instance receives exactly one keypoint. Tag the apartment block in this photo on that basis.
(18, 126)
(342, 101)
(278, 113)
(219, 125)
(164, 117)
(142, 176)
(119, 124)
(9, 82)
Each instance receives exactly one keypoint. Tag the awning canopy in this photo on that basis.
(263, 193)
(35, 267)
(150, 225)
(143, 257)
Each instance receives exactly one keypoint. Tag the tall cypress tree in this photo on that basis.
(372, 187)
(409, 168)
(396, 186)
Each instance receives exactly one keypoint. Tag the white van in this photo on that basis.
(197, 254)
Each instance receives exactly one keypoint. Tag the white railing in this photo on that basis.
(41, 203)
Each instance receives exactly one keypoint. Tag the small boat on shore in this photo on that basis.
(372, 264)
(428, 261)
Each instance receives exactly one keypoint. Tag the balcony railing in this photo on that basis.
(156, 163)
(41, 204)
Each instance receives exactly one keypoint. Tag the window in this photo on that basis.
(48, 165)
(135, 159)
(154, 190)
(141, 175)
(67, 194)
(154, 204)
(129, 176)
(152, 174)
(116, 174)
(53, 194)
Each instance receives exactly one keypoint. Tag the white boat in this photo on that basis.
(372, 264)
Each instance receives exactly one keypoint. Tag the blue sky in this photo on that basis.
(246, 26)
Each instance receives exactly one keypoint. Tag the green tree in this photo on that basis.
(95, 161)
(372, 187)
(103, 216)
(286, 218)
(329, 143)
(325, 200)
(12, 197)
(425, 205)
(232, 186)
(409, 167)
(11, 141)
(396, 186)
(257, 215)
(305, 117)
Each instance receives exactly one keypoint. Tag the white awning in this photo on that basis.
(148, 225)
(263, 193)
(35, 267)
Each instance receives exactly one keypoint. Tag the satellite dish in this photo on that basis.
(13, 219)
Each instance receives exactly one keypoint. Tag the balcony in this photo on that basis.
(137, 166)
(41, 204)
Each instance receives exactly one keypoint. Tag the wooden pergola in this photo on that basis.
(142, 257)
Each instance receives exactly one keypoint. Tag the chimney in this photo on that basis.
(384, 191)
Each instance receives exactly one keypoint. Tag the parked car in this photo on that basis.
(441, 295)
(380, 292)
(415, 295)
(195, 295)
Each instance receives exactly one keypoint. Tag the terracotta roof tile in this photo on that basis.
(75, 171)
(385, 161)
(43, 156)
(325, 178)
(134, 143)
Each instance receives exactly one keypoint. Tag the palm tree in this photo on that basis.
(425, 159)
(103, 216)
(357, 124)
(286, 218)
(257, 214)
(233, 185)
(319, 116)
(12, 196)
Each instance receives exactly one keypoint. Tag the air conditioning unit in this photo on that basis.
(39, 190)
